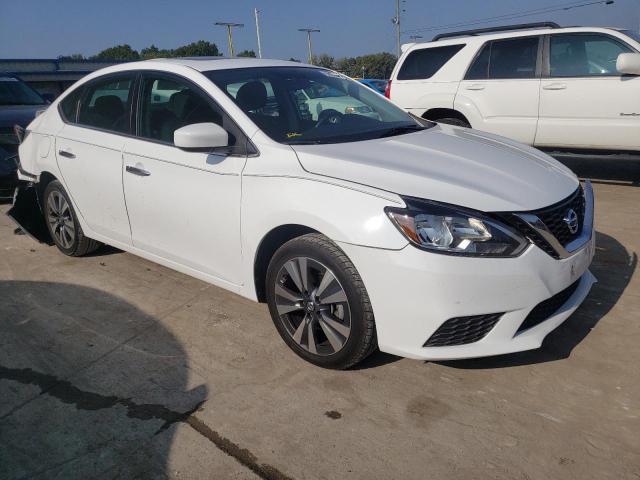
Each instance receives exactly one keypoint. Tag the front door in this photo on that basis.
(184, 206)
(584, 101)
(89, 154)
(502, 85)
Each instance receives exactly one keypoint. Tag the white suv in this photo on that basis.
(569, 88)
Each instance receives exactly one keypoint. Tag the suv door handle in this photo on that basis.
(138, 171)
(65, 152)
(476, 86)
(555, 86)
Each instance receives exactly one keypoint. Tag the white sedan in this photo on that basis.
(427, 241)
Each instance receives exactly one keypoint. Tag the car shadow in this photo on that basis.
(613, 266)
(90, 386)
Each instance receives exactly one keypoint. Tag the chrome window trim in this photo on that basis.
(575, 245)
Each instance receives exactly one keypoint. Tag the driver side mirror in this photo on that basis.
(628, 63)
(201, 136)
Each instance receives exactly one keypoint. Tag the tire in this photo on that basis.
(454, 121)
(329, 323)
(62, 222)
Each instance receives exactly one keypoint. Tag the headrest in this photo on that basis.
(109, 105)
(252, 96)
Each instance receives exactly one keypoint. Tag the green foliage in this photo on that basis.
(376, 65)
(201, 48)
(119, 52)
(73, 56)
(155, 52)
(247, 53)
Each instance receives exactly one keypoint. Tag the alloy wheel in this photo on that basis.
(313, 306)
(60, 219)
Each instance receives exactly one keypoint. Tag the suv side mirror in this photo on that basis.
(201, 136)
(628, 63)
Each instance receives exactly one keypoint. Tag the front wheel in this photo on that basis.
(319, 304)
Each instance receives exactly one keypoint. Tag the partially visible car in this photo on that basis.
(19, 104)
(326, 102)
(376, 84)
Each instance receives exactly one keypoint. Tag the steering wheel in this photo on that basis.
(329, 116)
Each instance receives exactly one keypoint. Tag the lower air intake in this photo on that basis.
(463, 330)
(547, 308)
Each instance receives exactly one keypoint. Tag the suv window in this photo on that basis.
(424, 63)
(584, 55)
(168, 103)
(105, 104)
(503, 59)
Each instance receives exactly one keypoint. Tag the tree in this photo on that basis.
(73, 56)
(247, 53)
(155, 52)
(201, 48)
(324, 60)
(291, 59)
(119, 52)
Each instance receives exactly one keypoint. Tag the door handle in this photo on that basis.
(138, 171)
(65, 152)
(555, 86)
(476, 86)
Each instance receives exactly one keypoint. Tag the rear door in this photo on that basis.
(89, 152)
(502, 87)
(584, 101)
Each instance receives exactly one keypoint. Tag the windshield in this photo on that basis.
(15, 92)
(301, 105)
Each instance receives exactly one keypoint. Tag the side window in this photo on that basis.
(514, 58)
(106, 104)
(425, 63)
(584, 55)
(69, 105)
(169, 103)
(506, 59)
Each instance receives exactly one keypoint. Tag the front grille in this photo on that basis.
(463, 330)
(548, 307)
(553, 217)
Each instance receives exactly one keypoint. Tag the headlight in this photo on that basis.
(455, 231)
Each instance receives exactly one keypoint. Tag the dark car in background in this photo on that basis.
(19, 104)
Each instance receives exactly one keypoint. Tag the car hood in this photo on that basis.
(447, 164)
(22, 115)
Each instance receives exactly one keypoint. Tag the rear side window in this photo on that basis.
(69, 106)
(424, 63)
(106, 104)
(505, 59)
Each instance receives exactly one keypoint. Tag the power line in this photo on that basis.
(511, 16)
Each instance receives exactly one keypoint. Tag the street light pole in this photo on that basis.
(229, 26)
(309, 32)
(257, 13)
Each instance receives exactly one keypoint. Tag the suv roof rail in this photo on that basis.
(506, 28)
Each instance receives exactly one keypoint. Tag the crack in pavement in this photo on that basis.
(66, 392)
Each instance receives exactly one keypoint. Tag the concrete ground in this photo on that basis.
(114, 367)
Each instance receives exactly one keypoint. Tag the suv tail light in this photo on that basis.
(387, 90)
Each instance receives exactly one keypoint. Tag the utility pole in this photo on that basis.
(257, 13)
(396, 21)
(309, 32)
(229, 26)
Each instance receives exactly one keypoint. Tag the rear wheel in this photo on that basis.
(458, 122)
(63, 224)
(319, 304)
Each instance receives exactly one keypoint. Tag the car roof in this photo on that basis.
(481, 38)
(204, 64)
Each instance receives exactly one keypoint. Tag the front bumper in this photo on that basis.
(414, 292)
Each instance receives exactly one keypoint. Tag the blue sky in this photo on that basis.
(48, 28)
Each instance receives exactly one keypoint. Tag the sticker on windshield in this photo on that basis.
(293, 134)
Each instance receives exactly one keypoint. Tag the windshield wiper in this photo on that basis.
(391, 132)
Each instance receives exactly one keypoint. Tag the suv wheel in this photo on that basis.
(319, 304)
(63, 224)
